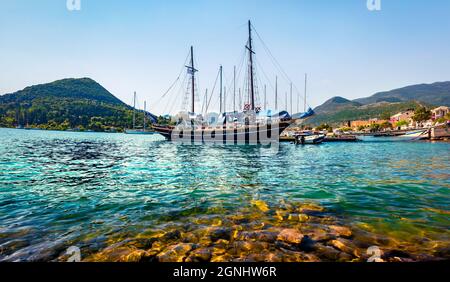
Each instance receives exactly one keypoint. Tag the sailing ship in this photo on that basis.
(138, 130)
(251, 126)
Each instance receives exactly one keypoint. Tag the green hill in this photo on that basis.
(382, 105)
(336, 104)
(68, 103)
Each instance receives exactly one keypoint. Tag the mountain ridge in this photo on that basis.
(382, 104)
(437, 93)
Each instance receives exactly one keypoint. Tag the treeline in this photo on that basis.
(68, 113)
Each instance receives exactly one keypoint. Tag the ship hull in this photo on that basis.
(251, 134)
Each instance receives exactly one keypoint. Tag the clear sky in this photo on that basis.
(140, 46)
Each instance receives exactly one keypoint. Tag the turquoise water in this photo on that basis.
(59, 188)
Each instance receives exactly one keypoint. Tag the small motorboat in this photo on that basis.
(414, 135)
(312, 139)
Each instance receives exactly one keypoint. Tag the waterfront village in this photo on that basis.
(437, 120)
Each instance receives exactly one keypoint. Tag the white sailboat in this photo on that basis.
(138, 130)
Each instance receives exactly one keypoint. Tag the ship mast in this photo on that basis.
(145, 108)
(134, 110)
(276, 92)
(249, 47)
(234, 89)
(221, 88)
(304, 99)
(192, 71)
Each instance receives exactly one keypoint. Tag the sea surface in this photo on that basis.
(92, 190)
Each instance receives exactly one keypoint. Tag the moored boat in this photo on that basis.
(138, 130)
(312, 139)
(414, 135)
(251, 126)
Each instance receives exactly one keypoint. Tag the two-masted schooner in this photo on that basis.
(251, 126)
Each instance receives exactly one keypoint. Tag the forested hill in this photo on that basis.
(67, 103)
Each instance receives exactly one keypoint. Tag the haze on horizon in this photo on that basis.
(140, 46)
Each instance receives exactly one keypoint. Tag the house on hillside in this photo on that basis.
(439, 112)
(402, 116)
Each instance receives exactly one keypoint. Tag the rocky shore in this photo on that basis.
(301, 232)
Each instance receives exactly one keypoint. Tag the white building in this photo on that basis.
(439, 112)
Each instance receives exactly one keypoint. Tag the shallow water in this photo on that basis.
(59, 189)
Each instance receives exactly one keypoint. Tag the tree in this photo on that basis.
(375, 127)
(421, 114)
(324, 126)
(386, 125)
(361, 127)
(401, 123)
(346, 129)
(385, 115)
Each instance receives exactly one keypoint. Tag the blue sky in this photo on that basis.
(140, 46)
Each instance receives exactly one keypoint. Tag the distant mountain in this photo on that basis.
(381, 110)
(67, 103)
(437, 93)
(335, 104)
(383, 104)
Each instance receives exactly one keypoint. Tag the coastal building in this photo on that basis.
(402, 116)
(365, 123)
(439, 112)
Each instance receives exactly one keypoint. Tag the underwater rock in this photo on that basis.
(11, 246)
(298, 217)
(310, 207)
(341, 230)
(200, 255)
(114, 253)
(259, 235)
(318, 234)
(175, 253)
(292, 236)
(345, 246)
(293, 256)
(260, 204)
(172, 235)
(135, 256)
(217, 233)
(280, 214)
(273, 257)
(218, 250)
(326, 252)
(189, 238)
(222, 258)
(140, 243)
(253, 257)
(239, 247)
